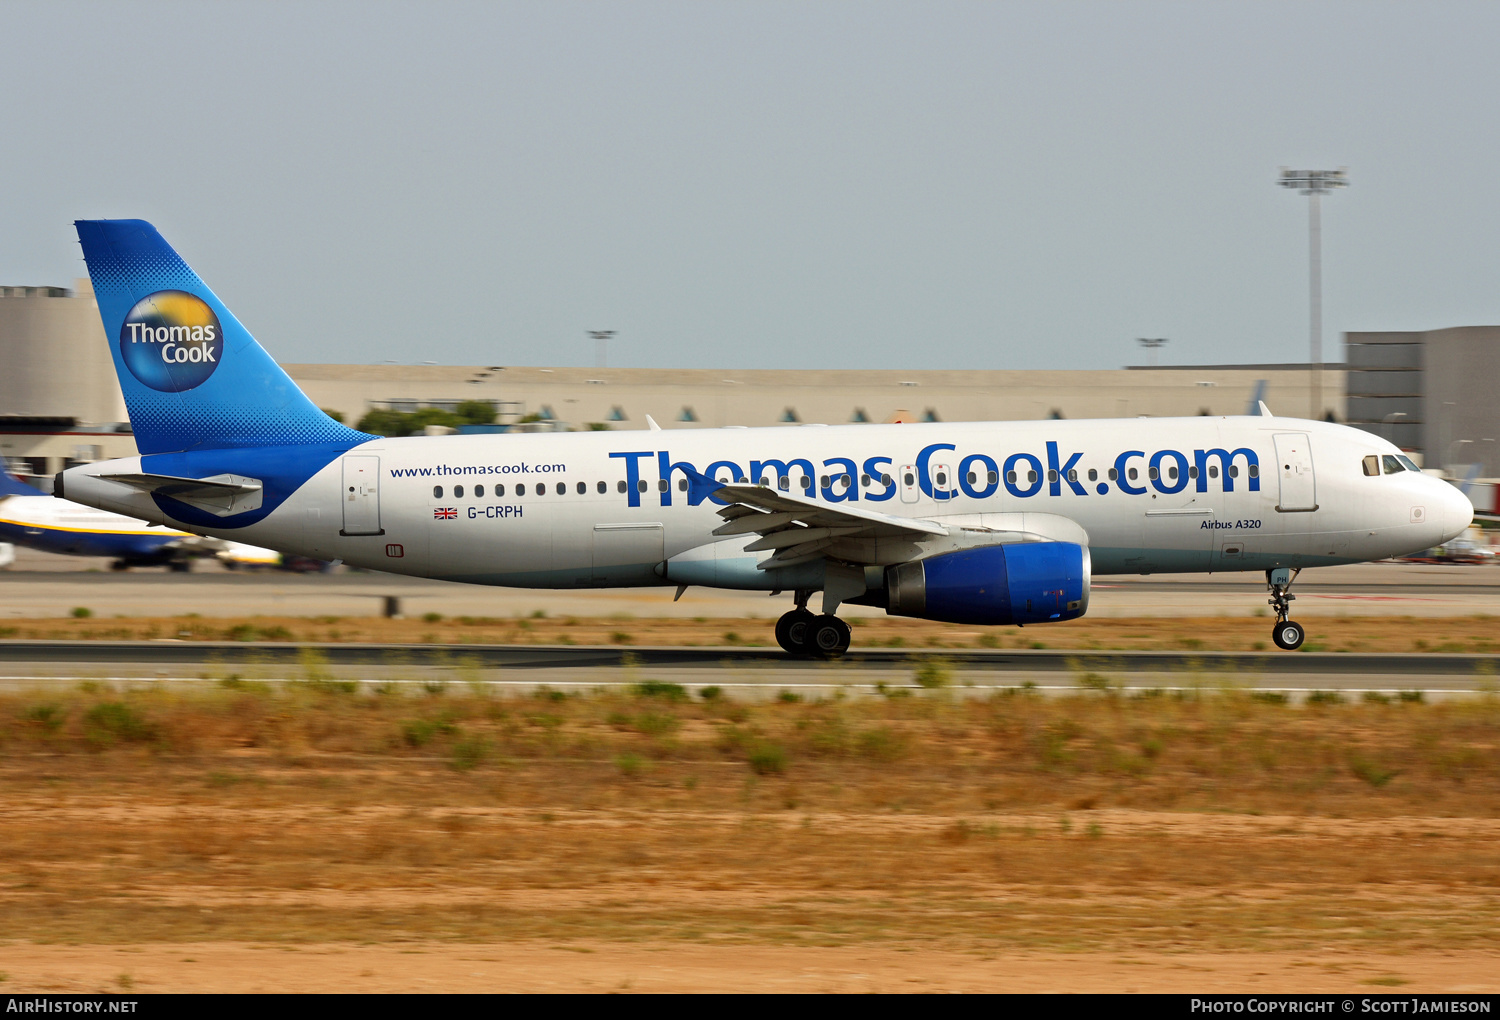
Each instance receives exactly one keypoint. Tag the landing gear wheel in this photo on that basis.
(827, 637)
(1288, 635)
(791, 631)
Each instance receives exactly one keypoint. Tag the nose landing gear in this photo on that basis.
(803, 633)
(1286, 634)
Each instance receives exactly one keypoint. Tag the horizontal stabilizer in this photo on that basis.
(221, 495)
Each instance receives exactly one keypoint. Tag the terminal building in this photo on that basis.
(1428, 392)
(1432, 392)
(621, 398)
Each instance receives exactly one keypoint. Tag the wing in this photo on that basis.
(797, 530)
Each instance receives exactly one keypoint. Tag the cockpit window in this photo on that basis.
(1392, 465)
(1410, 464)
(1371, 465)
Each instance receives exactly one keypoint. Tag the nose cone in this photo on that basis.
(1456, 512)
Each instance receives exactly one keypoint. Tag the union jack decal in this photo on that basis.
(444, 513)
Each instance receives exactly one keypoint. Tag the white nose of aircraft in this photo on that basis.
(1455, 512)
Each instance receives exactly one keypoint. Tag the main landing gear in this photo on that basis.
(802, 632)
(1287, 634)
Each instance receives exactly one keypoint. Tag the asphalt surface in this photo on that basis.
(753, 673)
(156, 653)
(40, 585)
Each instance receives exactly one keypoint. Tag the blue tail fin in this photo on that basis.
(10, 485)
(193, 377)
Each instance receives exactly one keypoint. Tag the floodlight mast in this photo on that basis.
(1315, 184)
(1152, 344)
(601, 338)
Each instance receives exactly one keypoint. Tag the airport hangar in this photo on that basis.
(60, 403)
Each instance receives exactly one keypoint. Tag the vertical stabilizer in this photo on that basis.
(10, 485)
(193, 376)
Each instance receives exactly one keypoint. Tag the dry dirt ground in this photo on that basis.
(311, 836)
(668, 967)
(1211, 633)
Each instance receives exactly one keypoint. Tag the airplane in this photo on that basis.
(979, 523)
(31, 518)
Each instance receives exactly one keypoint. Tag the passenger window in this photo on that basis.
(478, 491)
(620, 485)
(437, 492)
(562, 488)
(499, 491)
(541, 488)
(1073, 475)
(458, 492)
(908, 479)
(806, 482)
(1193, 471)
(661, 485)
(1052, 475)
(1010, 478)
(1114, 474)
(640, 485)
(520, 488)
(1093, 475)
(682, 485)
(1213, 471)
(1172, 472)
(604, 488)
(1031, 476)
(1234, 471)
(991, 477)
(583, 487)
(942, 479)
(1134, 474)
(1153, 473)
(885, 479)
(1371, 466)
(783, 482)
(864, 481)
(1254, 470)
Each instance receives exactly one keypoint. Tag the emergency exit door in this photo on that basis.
(1294, 469)
(361, 496)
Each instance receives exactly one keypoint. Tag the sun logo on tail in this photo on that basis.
(171, 341)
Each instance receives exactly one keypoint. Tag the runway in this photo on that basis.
(767, 671)
(41, 585)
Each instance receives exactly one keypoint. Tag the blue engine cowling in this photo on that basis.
(1025, 582)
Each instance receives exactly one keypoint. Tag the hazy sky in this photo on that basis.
(769, 185)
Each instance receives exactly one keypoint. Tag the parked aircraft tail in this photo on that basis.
(10, 485)
(193, 376)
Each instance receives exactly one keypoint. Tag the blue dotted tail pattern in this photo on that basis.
(222, 392)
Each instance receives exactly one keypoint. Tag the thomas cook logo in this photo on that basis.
(171, 341)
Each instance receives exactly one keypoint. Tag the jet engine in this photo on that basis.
(1022, 582)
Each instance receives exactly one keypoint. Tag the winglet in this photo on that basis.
(651, 424)
(1265, 412)
(700, 486)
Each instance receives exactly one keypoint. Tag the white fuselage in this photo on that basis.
(609, 509)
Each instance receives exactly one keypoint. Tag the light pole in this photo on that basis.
(1453, 448)
(1314, 184)
(1390, 419)
(601, 337)
(1152, 344)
